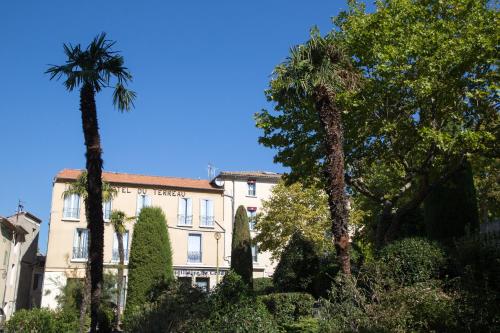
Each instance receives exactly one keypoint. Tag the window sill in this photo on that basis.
(194, 263)
(251, 196)
(68, 219)
(207, 226)
(185, 225)
(79, 260)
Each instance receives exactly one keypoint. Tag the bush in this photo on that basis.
(304, 325)
(263, 286)
(288, 307)
(241, 247)
(412, 260)
(42, 321)
(247, 316)
(297, 267)
(150, 258)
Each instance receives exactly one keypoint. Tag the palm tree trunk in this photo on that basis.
(121, 253)
(331, 120)
(95, 221)
(85, 299)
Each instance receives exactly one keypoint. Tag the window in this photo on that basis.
(206, 213)
(106, 210)
(185, 215)
(81, 243)
(255, 252)
(252, 216)
(203, 283)
(143, 200)
(116, 252)
(194, 248)
(252, 189)
(71, 209)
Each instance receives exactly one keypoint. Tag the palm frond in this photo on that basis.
(123, 98)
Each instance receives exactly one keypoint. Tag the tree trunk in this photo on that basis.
(331, 120)
(85, 299)
(95, 220)
(119, 282)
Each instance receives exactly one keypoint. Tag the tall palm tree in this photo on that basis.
(118, 219)
(314, 74)
(108, 192)
(91, 69)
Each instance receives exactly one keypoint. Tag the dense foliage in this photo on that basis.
(290, 209)
(43, 321)
(150, 262)
(241, 247)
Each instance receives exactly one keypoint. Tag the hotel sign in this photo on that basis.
(149, 191)
(197, 272)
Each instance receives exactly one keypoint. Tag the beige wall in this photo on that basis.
(5, 245)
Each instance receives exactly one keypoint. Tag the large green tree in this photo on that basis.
(241, 247)
(91, 69)
(293, 209)
(150, 262)
(308, 84)
(427, 100)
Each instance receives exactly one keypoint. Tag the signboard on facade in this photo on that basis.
(197, 272)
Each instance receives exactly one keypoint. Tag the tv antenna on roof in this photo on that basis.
(20, 206)
(211, 171)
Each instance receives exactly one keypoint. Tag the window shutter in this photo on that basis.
(139, 204)
(148, 201)
(76, 205)
(189, 211)
(210, 212)
(76, 239)
(203, 212)
(182, 211)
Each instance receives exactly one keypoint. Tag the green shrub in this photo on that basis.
(241, 247)
(247, 316)
(232, 289)
(33, 321)
(297, 267)
(150, 261)
(288, 307)
(412, 260)
(263, 286)
(303, 325)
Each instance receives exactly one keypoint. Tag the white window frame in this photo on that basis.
(252, 219)
(255, 253)
(251, 188)
(185, 217)
(82, 247)
(206, 220)
(126, 244)
(73, 200)
(143, 200)
(200, 237)
(104, 210)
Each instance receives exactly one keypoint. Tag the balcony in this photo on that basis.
(80, 253)
(185, 219)
(116, 255)
(207, 221)
(71, 213)
(194, 256)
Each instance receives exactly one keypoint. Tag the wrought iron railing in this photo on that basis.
(207, 221)
(194, 256)
(80, 253)
(184, 219)
(71, 213)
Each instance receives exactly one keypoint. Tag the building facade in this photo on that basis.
(18, 250)
(199, 216)
(248, 189)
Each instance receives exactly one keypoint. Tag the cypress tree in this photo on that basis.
(150, 263)
(241, 247)
(451, 209)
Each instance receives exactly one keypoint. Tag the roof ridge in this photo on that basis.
(136, 174)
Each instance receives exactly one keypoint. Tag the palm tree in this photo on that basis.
(118, 219)
(91, 69)
(314, 74)
(80, 188)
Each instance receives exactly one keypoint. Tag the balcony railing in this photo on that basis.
(184, 219)
(194, 256)
(207, 221)
(80, 253)
(71, 213)
(116, 255)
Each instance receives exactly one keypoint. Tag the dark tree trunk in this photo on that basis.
(119, 282)
(331, 120)
(95, 220)
(86, 287)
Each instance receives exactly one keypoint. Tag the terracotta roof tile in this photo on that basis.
(250, 174)
(125, 178)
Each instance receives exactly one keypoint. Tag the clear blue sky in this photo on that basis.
(200, 69)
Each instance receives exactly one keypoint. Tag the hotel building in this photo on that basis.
(199, 214)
